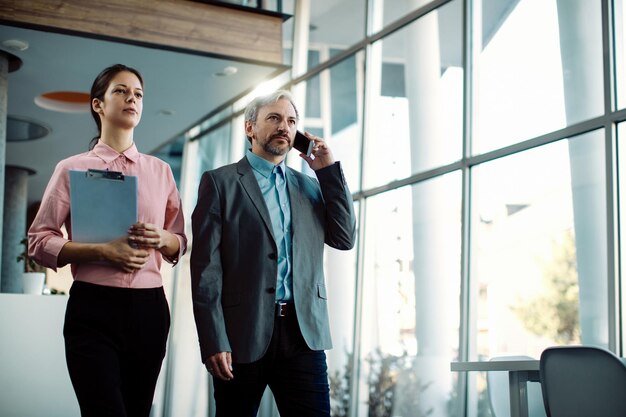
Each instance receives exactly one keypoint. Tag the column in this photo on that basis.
(4, 89)
(580, 40)
(8, 63)
(14, 226)
(423, 75)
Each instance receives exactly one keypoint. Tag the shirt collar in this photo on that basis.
(262, 166)
(108, 154)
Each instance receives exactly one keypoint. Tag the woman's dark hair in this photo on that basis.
(99, 88)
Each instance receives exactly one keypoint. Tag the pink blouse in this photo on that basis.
(158, 203)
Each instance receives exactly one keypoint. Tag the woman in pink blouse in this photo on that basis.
(117, 318)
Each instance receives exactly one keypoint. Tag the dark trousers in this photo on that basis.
(115, 342)
(297, 376)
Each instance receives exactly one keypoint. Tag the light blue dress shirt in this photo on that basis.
(273, 183)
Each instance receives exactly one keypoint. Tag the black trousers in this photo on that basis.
(115, 341)
(297, 376)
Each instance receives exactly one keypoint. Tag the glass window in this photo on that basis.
(332, 110)
(538, 69)
(214, 149)
(172, 153)
(340, 271)
(538, 267)
(621, 157)
(410, 318)
(288, 7)
(538, 218)
(416, 114)
(393, 10)
(386, 12)
(313, 86)
(619, 14)
(336, 24)
(270, 5)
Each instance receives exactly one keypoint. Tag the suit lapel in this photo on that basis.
(251, 186)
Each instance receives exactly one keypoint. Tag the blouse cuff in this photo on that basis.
(52, 248)
(182, 247)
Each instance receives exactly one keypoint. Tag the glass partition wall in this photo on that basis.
(484, 146)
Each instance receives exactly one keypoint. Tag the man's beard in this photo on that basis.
(275, 150)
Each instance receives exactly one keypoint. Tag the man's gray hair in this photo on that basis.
(252, 109)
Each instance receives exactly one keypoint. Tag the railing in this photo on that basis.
(265, 5)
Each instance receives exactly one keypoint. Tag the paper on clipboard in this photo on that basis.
(103, 205)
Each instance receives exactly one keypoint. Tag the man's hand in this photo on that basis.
(220, 365)
(321, 157)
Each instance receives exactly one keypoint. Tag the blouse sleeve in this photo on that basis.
(174, 219)
(45, 237)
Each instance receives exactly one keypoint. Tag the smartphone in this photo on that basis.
(303, 144)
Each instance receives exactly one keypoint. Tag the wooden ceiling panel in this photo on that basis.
(175, 24)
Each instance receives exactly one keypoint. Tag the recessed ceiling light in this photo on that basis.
(227, 72)
(22, 129)
(15, 44)
(64, 101)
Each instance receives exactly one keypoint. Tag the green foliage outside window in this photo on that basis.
(554, 313)
(393, 387)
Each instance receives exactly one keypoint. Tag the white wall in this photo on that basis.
(33, 375)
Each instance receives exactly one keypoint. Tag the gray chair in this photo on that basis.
(498, 390)
(582, 381)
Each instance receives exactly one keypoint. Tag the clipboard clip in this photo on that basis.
(105, 174)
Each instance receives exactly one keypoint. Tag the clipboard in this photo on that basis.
(103, 205)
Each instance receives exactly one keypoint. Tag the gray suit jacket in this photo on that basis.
(233, 261)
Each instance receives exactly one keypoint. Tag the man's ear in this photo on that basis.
(250, 130)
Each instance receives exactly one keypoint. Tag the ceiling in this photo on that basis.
(180, 90)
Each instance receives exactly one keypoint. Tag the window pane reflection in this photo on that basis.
(539, 249)
(417, 99)
(333, 111)
(539, 69)
(410, 314)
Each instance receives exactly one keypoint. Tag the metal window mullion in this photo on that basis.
(612, 190)
(464, 299)
(368, 83)
(610, 171)
(358, 313)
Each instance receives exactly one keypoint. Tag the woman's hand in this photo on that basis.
(146, 236)
(120, 253)
(150, 236)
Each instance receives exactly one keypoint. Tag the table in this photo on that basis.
(520, 372)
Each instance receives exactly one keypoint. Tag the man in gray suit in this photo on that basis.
(258, 286)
